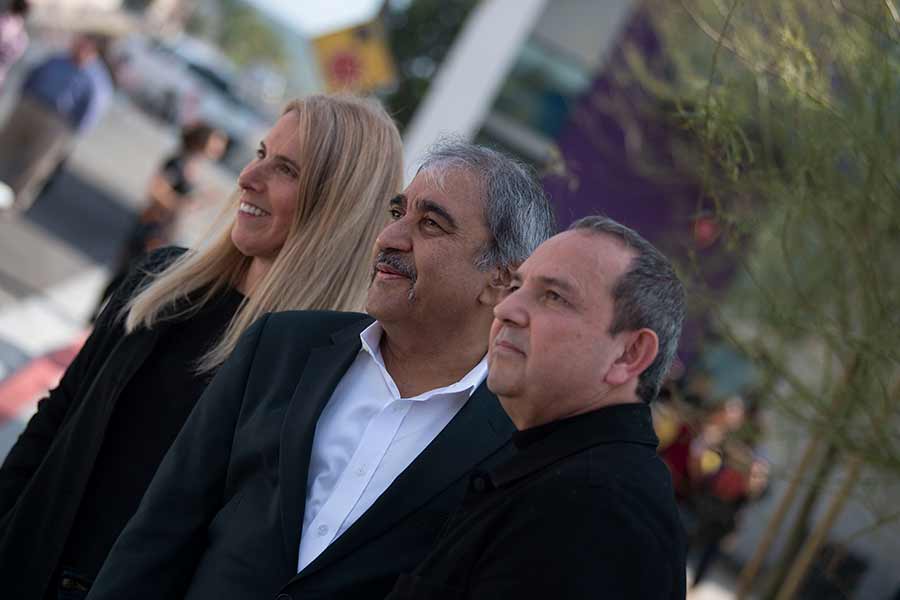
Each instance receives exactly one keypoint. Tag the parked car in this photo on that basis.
(183, 80)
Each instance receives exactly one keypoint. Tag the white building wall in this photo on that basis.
(583, 29)
(465, 86)
(462, 94)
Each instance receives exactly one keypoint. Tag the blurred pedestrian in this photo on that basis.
(13, 36)
(298, 236)
(170, 191)
(718, 505)
(676, 433)
(726, 474)
(62, 97)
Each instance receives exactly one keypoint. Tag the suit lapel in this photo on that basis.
(321, 374)
(477, 431)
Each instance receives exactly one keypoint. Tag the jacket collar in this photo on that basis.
(546, 444)
(321, 374)
(479, 430)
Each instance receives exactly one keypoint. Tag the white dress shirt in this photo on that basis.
(366, 436)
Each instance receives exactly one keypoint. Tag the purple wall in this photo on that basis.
(607, 171)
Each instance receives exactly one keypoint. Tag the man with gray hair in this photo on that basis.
(585, 509)
(330, 449)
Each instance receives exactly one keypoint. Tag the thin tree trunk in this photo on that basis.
(804, 559)
(751, 569)
(800, 528)
(801, 566)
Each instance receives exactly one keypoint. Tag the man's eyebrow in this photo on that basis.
(561, 284)
(426, 205)
(398, 201)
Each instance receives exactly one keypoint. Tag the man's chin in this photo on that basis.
(499, 384)
(384, 307)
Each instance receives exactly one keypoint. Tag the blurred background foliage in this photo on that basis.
(789, 120)
(420, 34)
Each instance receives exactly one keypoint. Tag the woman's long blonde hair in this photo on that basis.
(351, 165)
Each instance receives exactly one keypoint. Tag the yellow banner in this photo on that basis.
(356, 59)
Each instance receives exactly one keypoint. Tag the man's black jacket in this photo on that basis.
(223, 516)
(584, 510)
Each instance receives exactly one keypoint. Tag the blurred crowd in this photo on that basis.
(713, 452)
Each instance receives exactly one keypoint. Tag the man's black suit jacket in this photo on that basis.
(585, 509)
(223, 516)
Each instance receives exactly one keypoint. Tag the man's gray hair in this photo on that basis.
(648, 295)
(516, 209)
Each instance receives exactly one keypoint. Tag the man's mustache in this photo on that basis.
(395, 262)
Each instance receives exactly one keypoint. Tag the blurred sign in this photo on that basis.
(356, 59)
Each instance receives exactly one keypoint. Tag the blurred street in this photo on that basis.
(56, 256)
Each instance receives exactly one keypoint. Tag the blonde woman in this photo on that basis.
(300, 233)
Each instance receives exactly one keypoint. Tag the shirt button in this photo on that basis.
(361, 470)
(397, 408)
(322, 530)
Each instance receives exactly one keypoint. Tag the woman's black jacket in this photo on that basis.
(45, 473)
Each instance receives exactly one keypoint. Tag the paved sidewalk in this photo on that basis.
(54, 260)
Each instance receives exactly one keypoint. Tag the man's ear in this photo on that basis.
(496, 285)
(641, 347)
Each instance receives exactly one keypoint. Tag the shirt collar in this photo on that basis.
(541, 446)
(370, 338)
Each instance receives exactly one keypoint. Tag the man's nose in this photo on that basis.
(395, 236)
(512, 310)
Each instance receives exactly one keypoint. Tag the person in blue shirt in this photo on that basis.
(61, 98)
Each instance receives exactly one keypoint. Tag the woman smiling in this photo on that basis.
(297, 236)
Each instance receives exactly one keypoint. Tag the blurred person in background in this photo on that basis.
(171, 190)
(62, 97)
(741, 479)
(676, 433)
(725, 474)
(13, 37)
(299, 236)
